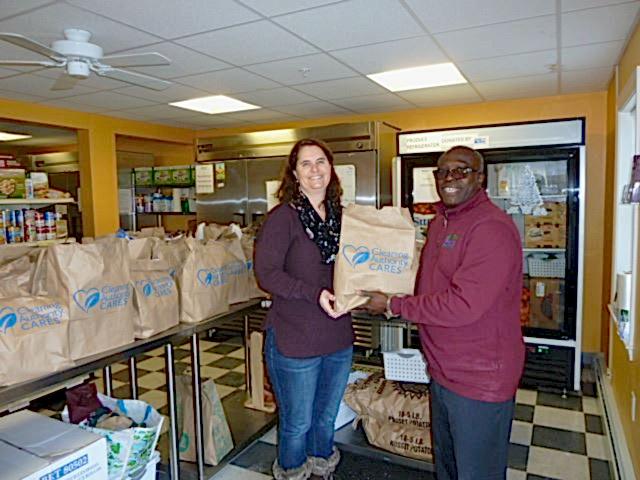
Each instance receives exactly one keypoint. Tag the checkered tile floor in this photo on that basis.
(552, 438)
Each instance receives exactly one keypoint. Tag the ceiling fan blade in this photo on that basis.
(28, 43)
(134, 78)
(136, 60)
(31, 63)
(64, 82)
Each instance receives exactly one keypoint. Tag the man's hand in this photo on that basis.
(326, 303)
(377, 304)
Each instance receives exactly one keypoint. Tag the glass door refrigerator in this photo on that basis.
(535, 173)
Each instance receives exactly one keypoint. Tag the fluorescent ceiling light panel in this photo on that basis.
(8, 137)
(214, 104)
(426, 76)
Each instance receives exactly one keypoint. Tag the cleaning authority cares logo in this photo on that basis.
(376, 259)
(159, 287)
(212, 277)
(39, 316)
(109, 297)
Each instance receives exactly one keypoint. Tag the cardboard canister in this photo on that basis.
(623, 291)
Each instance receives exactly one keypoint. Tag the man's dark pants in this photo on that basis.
(470, 437)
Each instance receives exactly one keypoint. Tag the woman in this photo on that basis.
(308, 345)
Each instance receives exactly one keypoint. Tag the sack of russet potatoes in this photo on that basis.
(395, 415)
(377, 252)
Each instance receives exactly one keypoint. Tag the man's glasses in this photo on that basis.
(456, 173)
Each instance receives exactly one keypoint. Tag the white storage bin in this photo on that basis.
(549, 267)
(405, 365)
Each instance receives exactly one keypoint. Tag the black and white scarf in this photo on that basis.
(325, 234)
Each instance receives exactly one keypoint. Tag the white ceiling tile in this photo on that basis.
(183, 61)
(35, 85)
(598, 24)
(278, 7)
(591, 80)
(174, 93)
(591, 56)
(342, 88)
(570, 5)
(352, 23)
(439, 16)
(534, 63)
(449, 95)
(375, 103)
(274, 97)
(501, 39)
(160, 111)
(20, 96)
(405, 53)
(81, 107)
(172, 123)
(109, 100)
(531, 86)
(260, 115)
(171, 19)
(308, 69)
(257, 42)
(311, 109)
(94, 82)
(13, 7)
(227, 81)
(5, 72)
(46, 24)
(209, 121)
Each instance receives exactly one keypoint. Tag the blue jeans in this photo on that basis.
(308, 392)
(470, 437)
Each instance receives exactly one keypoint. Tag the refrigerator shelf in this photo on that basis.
(165, 213)
(544, 250)
(544, 197)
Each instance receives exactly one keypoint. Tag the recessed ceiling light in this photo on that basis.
(426, 76)
(214, 104)
(8, 137)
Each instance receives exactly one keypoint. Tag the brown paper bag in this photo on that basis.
(18, 269)
(155, 297)
(94, 282)
(395, 415)
(238, 275)
(217, 439)
(34, 338)
(202, 283)
(248, 242)
(377, 252)
(142, 248)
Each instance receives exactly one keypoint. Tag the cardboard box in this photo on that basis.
(143, 176)
(546, 304)
(36, 447)
(40, 181)
(12, 183)
(162, 175)
(181, 175)
(549, 231)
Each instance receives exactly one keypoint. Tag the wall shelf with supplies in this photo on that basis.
(35, 201)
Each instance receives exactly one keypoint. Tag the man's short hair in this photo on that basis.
(478, 156)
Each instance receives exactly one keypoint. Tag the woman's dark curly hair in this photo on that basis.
(289, 187)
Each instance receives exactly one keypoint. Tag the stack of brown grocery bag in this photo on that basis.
(69, 301)
(378, 252)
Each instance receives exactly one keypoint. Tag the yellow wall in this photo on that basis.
(592, 106)
(96, 147)
(625, 375)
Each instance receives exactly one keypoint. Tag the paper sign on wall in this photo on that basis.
(424, 185)
(272, 187)
(204, 178)
(347, 176)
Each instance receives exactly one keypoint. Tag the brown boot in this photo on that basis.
(303, 472)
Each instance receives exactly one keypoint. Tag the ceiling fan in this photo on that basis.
(79, 58)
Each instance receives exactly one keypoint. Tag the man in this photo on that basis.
(467, 308)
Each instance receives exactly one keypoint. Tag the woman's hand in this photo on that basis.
(326, 302)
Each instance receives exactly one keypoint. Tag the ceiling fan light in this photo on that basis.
(78, 69)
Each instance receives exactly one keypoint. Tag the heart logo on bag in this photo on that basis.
(86, 299)
(8, 319)
(356, 255)
(205, 277)
(147, 290)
